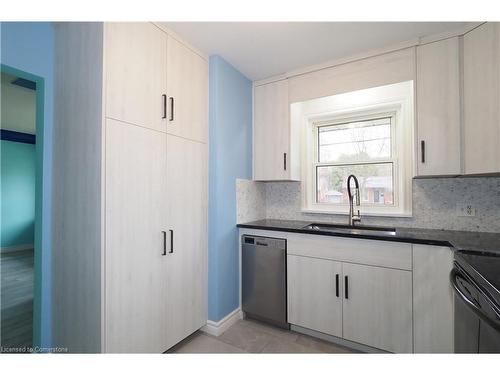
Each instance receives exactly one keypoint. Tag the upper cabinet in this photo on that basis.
(272, 143)
(482, 99)
(457, 105)
(438, 108)
(187, 88)
(156, 81)
(136, 86)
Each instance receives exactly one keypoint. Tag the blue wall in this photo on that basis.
(29, 46)
(17, 193)
(230, 158)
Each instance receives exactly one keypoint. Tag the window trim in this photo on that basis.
(398, 103)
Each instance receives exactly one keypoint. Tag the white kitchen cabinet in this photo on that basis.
(375, 289)
(377, 307)
(358, 74)
(275, 150)
(438, 108)
(187, 88)
(136, 74)
(187, 237)
(123, 183)
(482, 99)
(136, 289)
(399, 297)
(433, 323)
(314, 294)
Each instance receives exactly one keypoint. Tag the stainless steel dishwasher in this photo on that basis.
(264, 279)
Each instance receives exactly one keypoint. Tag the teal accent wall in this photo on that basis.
(27, 50)
(17, 198)
(230, 123)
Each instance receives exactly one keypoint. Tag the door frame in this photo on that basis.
(39, 131)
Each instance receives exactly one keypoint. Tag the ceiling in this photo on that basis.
(18, 106)
(264, 49)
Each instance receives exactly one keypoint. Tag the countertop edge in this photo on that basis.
(420, 241)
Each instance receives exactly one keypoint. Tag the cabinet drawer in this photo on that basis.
(370, 252)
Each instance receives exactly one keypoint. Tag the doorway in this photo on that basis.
(21, 150)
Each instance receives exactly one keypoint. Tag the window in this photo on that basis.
(368, 133)
(362, 148)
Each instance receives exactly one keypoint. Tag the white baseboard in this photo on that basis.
(10, 249)
(218, 328)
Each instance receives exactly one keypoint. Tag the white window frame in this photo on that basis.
(395, 101)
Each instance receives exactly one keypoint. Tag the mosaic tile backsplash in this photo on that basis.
(250, 201)
(434, 204)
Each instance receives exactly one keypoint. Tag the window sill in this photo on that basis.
(376, 214)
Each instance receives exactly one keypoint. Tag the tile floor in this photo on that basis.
(248, 336)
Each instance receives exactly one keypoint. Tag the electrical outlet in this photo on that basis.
(466, 210)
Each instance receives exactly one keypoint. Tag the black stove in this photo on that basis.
(475, 279)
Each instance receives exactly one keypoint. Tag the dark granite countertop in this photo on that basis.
(458, 240)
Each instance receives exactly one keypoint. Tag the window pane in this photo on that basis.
(356, 141)
(375, 183)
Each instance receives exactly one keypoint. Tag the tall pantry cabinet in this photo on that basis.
(130, 188)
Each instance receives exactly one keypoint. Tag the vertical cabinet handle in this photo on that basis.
(337, 285)
(171, 241)
(164, 97)
(422, 150)
(284, 161)
(346, 286)
(171, 118)
(164, 242)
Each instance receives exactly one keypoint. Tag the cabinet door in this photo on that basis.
(438, 108)
(271, 132)
(187, 87)
(187, 245)
(135, 269)
(136, 74)
(432, 299)
(377, 307)
(482, 99)
(312, 294)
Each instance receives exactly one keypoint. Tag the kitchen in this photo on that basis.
(268, 187)
(411, 311)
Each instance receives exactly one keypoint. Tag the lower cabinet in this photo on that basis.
(156, 233)
(186, 271)
(314, 294)
(136, 287)
(392, 296)
(366, 304)
(377, 307)
(433, 311)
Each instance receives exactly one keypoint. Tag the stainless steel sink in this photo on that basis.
(351, 229)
